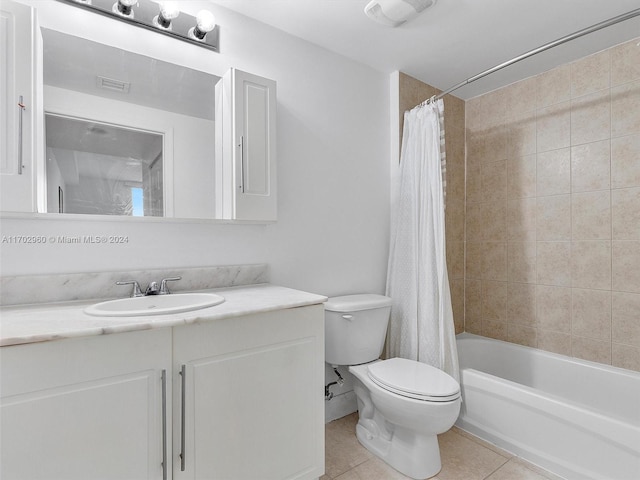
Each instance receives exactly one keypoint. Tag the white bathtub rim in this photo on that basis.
(560, 409)
(628, 412)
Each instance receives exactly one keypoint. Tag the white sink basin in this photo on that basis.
(154, 305)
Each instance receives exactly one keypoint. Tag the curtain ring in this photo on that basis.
(428, 101)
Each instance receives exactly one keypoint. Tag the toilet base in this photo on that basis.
(414, 455)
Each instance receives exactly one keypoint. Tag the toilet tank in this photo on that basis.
(355, 328)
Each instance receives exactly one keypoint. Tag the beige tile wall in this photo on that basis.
(413, 92)
(553, 210)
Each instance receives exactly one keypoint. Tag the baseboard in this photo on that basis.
(340, 406)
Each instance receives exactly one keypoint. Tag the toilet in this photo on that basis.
(402, 404)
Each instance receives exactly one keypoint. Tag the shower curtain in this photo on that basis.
(421, 324)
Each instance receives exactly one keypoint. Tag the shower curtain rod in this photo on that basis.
(547, 46)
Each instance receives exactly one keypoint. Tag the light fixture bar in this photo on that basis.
(144, 13)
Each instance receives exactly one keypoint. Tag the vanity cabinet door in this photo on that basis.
(85, 408)
(246, 147)
(16, 107)
(253, 397)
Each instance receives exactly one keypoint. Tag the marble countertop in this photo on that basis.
(46, 322)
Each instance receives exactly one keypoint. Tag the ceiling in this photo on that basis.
(454, 39)
(78, 64)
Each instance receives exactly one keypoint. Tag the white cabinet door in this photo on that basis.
(253, 397)
(17, 112)
(85, 408)
(246, 187)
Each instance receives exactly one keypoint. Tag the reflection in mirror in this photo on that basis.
(101, 169)
(117, 121)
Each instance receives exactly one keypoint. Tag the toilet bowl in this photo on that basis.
(399, 421)
(402, 404)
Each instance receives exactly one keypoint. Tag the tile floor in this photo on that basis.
(464, 457)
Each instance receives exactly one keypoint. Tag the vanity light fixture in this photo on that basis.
(161, 17)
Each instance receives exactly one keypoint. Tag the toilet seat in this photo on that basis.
(414, 380)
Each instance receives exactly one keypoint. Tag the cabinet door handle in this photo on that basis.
(183, 374)
(241, 186)
(164, 425)
(21, 108)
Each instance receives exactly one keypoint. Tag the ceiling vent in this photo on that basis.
(113, 85)
(394, 13)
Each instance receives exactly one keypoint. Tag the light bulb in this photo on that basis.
(124, 7)
(168, 11)
(205, 22)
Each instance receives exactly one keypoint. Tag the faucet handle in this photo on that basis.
(136, 287)
(163, 285)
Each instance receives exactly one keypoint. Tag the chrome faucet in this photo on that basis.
(152, 288)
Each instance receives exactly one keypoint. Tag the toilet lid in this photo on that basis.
(414, 379)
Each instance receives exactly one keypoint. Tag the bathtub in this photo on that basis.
(578, 419)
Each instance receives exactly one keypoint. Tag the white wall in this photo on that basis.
(333, 169)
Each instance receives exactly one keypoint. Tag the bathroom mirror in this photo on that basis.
(125, 134)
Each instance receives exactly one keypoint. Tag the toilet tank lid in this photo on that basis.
(352, 303)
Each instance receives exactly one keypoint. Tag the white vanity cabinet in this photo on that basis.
(85, 408)
(236, 398)
(250, 394)
(245, 147)
(17, 109)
